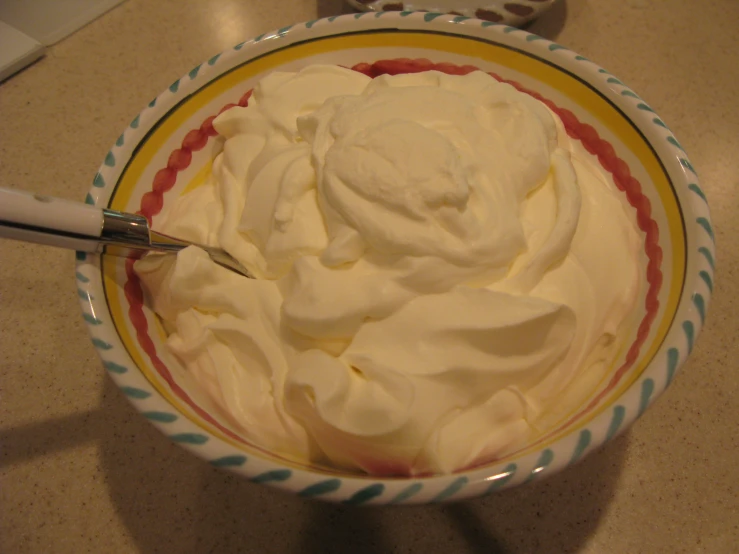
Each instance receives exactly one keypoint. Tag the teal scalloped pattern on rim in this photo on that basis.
(157, 410)
(321, 488)
(452, 489)
(407, 493)
(501, 480)
(274, 475)
(229, 461)
(366, 494)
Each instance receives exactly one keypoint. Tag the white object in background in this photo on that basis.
(17, 50)
(510, 12)
(49, 21)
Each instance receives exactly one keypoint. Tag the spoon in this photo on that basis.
(46, 220)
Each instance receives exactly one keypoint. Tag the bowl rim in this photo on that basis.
(566, 450)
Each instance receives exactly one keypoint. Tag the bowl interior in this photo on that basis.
(169, 147)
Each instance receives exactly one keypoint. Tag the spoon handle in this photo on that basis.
(45, 220)
(53, 221)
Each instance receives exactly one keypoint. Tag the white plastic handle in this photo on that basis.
(46, 220)
(56, 222)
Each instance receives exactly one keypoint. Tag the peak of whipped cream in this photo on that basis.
(441, 271)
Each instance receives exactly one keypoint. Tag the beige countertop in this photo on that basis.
(83, 472)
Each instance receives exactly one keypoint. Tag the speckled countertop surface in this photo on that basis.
(82, 472)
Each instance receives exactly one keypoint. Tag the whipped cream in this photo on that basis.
(441, 272)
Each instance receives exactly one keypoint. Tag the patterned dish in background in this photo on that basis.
(168, 148)
(510, 12)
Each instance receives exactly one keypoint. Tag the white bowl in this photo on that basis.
(167, 150)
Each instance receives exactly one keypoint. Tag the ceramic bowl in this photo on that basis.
(167, 149)
(510, 12)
